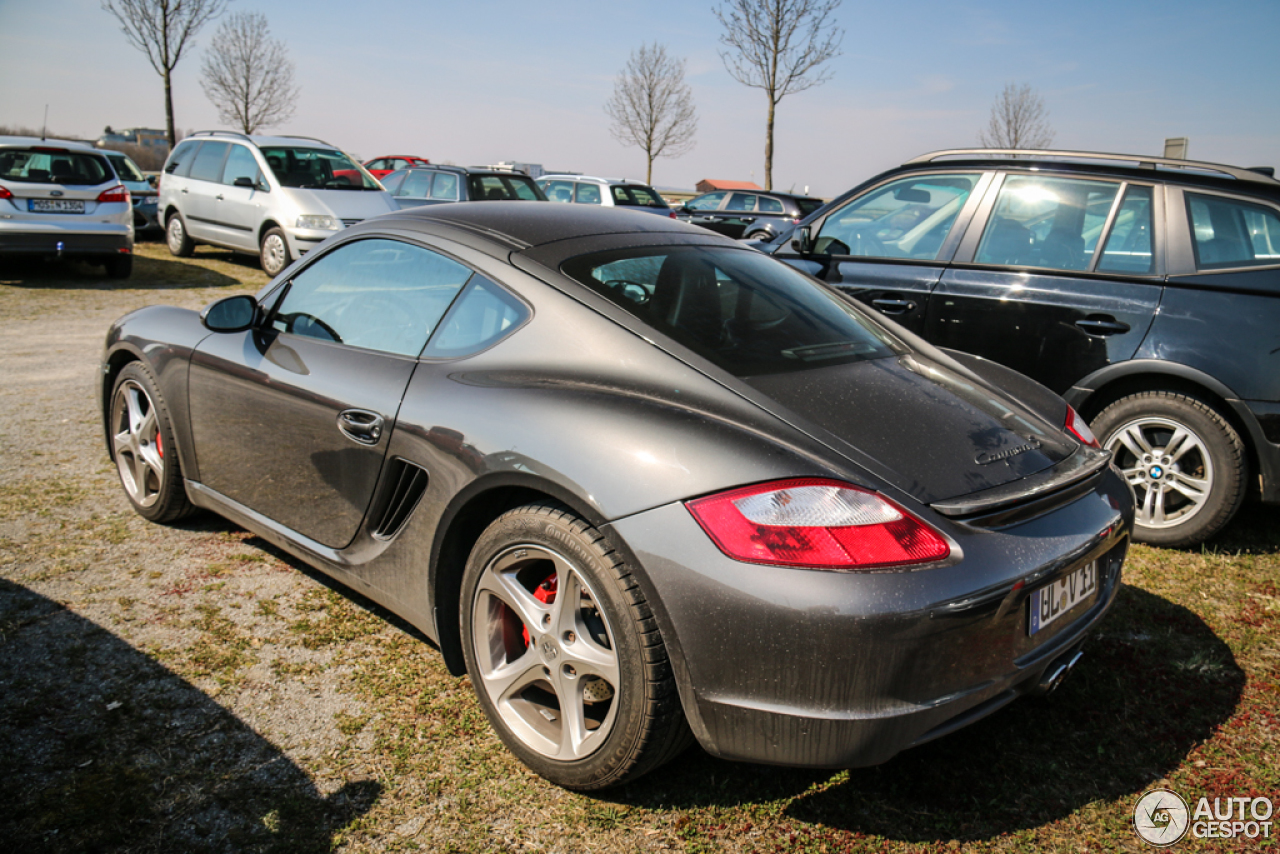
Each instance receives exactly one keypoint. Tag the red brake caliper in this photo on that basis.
(159, 445)
(546, 594)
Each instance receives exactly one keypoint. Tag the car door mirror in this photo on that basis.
(803, 241)
(244, 181)
(231, 314)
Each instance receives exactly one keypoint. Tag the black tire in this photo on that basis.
(1185, 463)
(760, 235)
(143, 446)
(273, 252)
(119, 266)
(566, 653)
(175, 235)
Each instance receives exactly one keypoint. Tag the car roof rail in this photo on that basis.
(246, 136)
(1255, 174)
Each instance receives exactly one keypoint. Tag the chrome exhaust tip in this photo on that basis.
(1055, 673)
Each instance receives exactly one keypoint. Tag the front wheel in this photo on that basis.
(274, 252)
(143, 446)
(564, 653)
(1185, 463)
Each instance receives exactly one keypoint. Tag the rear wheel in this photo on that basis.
(564, 653)
(143, 446)
(1185, 463)
(274, 252)
(175, 234)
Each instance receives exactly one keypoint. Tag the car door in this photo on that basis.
(704, 210)
(238, 208)
(1062, 279)
(292, 419)
(889, 245)
(737, 215)
(199, 208)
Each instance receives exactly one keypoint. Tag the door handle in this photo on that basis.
(218, 197)
(894, 306)
(748, 219)
(361, 425)
(1102, 326)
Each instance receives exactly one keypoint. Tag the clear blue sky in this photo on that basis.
(478, 82)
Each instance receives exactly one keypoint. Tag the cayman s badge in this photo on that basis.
(986, 459)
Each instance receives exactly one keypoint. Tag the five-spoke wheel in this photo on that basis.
(143, 447)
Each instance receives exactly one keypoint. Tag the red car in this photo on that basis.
(380, 166)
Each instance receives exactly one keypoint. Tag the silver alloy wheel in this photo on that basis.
(135, 439)
(176, 234)
(275, 254)
(1168, 467)
(557, 690)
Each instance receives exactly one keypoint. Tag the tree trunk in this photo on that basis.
(768, 149)
(168, 111)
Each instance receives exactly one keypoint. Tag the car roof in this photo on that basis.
(592, 178)
(462, 170)
(274, 141)
(35, 141)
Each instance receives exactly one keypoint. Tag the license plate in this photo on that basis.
(56, 206)
(1052, 601)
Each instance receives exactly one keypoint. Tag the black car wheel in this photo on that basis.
(175, 234)
(1184, 461)
(564, 653)
(274, 252)
(759, 235)
(143, 447)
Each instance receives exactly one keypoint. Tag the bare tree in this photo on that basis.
(163, 29)
(248, 75)
(652, 107)
(778, 46)
(1018, 120)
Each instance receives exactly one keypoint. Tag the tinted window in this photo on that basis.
(125, 168)
(768, 205)
(1232, 233)
(375, 294)
(743, 311)
(637, 194)
(741, 202)
(1128, 246)
(558, 191)
(709, 202)
(1046, 222)
(208, 162)
(445, 186)
(808, 206)
(42, 165)
(179, 162)
(240, 164)
(499, 187)
(908, 218)
(483, 314)
(588, 194)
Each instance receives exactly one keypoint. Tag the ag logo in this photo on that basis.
(1160, 817)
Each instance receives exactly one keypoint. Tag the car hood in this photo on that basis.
(934, 431)
(344, 204)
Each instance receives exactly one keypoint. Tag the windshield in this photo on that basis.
(503, 187)
(317, 169)
(41, 165)
(125, 168)
(745, 312)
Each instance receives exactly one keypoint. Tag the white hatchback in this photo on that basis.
(63, 199)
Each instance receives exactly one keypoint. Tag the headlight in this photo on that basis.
(323, 223)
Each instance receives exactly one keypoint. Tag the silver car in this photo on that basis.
(274, 197)
(606, 192)
(63, 199)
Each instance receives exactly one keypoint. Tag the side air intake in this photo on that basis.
(407, 485)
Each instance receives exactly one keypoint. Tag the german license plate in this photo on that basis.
(56, 206)
(1054, 600)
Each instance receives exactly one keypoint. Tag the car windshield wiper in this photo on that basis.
(834, 350)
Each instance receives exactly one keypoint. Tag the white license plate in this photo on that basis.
(1050, 602)
(57, 206)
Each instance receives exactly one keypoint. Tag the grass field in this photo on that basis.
(193, 689)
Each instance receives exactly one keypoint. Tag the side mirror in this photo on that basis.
(231, 314)
(803, 241)
(244, 181)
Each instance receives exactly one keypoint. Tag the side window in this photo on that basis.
(375, 294)
(483, 314)
(208, 163)
(741, 202)
(376, 164)
(1046, 222)
(558, 191)
(240, 164)
(588, 194)
(445, 186)
(392, 181)
(417, 185)
(1232, 232)
(709, 202)
(907, 218)
(1128, 246)
(768, 205)
(180, 161)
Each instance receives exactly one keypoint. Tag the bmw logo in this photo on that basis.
(1157, 472)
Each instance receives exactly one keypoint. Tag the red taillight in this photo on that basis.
(5, 194)
(114, 194)
(1076, 426)
(817, 523)
(672, 215)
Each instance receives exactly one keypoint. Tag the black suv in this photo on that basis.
(434, 185)
(756, 214)
(1146, 291)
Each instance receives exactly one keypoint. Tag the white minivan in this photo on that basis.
(273, 196)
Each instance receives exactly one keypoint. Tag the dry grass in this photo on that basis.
(192, 689)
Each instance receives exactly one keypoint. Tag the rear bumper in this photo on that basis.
(60, 242)
(822, 669)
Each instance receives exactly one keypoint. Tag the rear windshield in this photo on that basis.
(125, 168)
(316, 169)
(808, 206)
(503, 187)
(40, 165)
(744, 311)
(639, 195)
